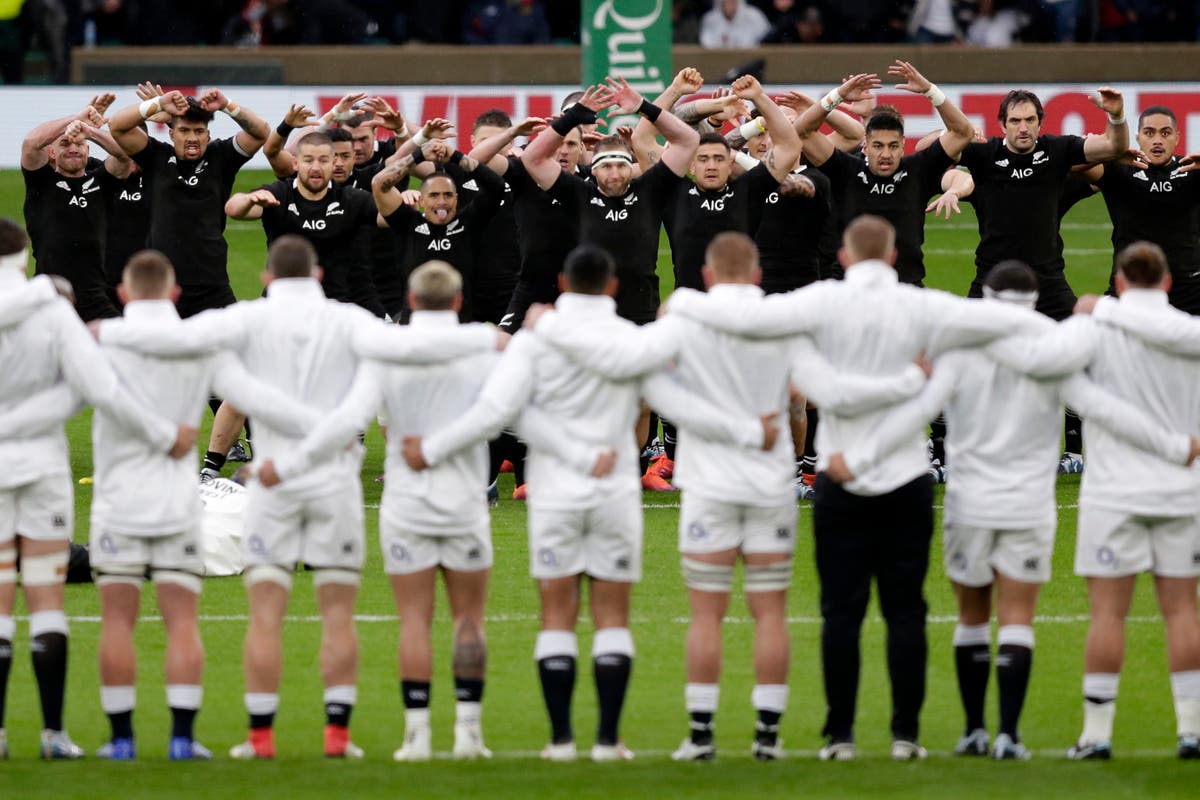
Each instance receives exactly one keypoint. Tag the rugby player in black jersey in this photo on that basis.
(882, 180)
(66, 200)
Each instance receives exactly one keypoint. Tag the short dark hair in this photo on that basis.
(493, 117)
(314, 139)
(338, 135)
(1016, 97)
(885, 122)
(613, 141)
(1143, 264)
(570, 100)
(1166, 112)
(713, 138)
(1012, 274)
(358, 119)
(12, 237)
(438, 174)
(148, 274)
(195, 112)
(886, 108)
(588, 269)
(291, 256)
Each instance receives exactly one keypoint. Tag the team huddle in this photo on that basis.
(525, 281)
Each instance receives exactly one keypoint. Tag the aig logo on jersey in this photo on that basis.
(616, 214)
(313, 225)
(439, 245)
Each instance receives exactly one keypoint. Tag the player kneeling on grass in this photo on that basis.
(1146, 354)
(43, 344)
(139, 525)
(431, 521)
(1002, 411)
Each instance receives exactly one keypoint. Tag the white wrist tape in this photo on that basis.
(419, 138)
(150, 107)
(752, 128)
(831, 101)
(745, 160)
(936, 96)
(233, 110)
(1116, 120)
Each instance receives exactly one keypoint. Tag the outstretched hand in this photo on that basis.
(914, 81)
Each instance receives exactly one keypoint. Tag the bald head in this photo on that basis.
(731, 257)
(869, 238)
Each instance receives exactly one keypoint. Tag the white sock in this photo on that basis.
(184, 695)
(262, 702)
(117, 699)
(1185, 687)
(701, 697)
(467, 713)
(770, 697)
(1101, 707)
(416, 718)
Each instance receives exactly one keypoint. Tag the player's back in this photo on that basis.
(449, 497)
(742, 377)
(1003, 430)
(1167, 387)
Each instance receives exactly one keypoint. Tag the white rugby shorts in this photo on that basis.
(974, 555)
(43, 510)
(180, 552)
(604, 541)
(405, 552)
(714, 526)
(1113, 544)
(323, 530)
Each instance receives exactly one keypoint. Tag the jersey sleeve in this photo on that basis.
(1068, 151)
(975, 154)
(232, 157)
(148, 157)
(759, 182)
(570, 191)
(840, 167)
(658, 181)
(931, 164)
(402, 220)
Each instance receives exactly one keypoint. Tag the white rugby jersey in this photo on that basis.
(1003, 430)
(139, 492)
(448, 499)
(587, 407)
(1145, 354)
(297, 341)
(42, 343)
(868, 324)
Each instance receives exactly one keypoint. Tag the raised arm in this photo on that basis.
(768, 317)
(1127, 421)
(645, 136)
(847, 131)
(283, 163)
(250, 205)
(33, 146)
(489, 151)
(1061, 351)
(682, 140)
(404, 344)
(40, 412)
(817, 148)
(614, 356)
(959, 132)
(124, 124)
(785, 142)
(849, 394)
(385, 186)
(539, 157)
(209, 331)
(1115, 141)
(254, 129)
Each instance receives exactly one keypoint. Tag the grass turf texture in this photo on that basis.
(654, 721)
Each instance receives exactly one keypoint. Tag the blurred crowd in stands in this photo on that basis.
(54, 26)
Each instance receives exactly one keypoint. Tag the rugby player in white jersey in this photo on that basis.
(1000, 509)
(303, 344)
(42, 343)
(737, 502)
(429, 522)
(1147, 354)
(585, 515)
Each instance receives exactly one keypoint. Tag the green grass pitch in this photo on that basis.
(654, 721)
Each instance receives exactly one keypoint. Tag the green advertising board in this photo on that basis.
(628, 39)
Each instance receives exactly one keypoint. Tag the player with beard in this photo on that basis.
(66, 198)
(441, 230)
(883, 181)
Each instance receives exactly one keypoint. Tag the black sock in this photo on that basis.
(557, 674)
(214, 403)
(1013, 665)
(1073, 433)
(810, 440)
(937, 435)
(766, 728)
(49, 652)
(122, 724)
(701, 724)
(611, 671)
(5, 666)
(338, 714)
(517, 457)
(214, 460)
(183, 722)
(973, 663)
(415, 693)
(468, 690)
(259, 721)
(249, 435)
(670, 438)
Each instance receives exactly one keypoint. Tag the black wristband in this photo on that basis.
(284, 130)
(456, 157)
(649, 110)
(572, 118)
(418, 155)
